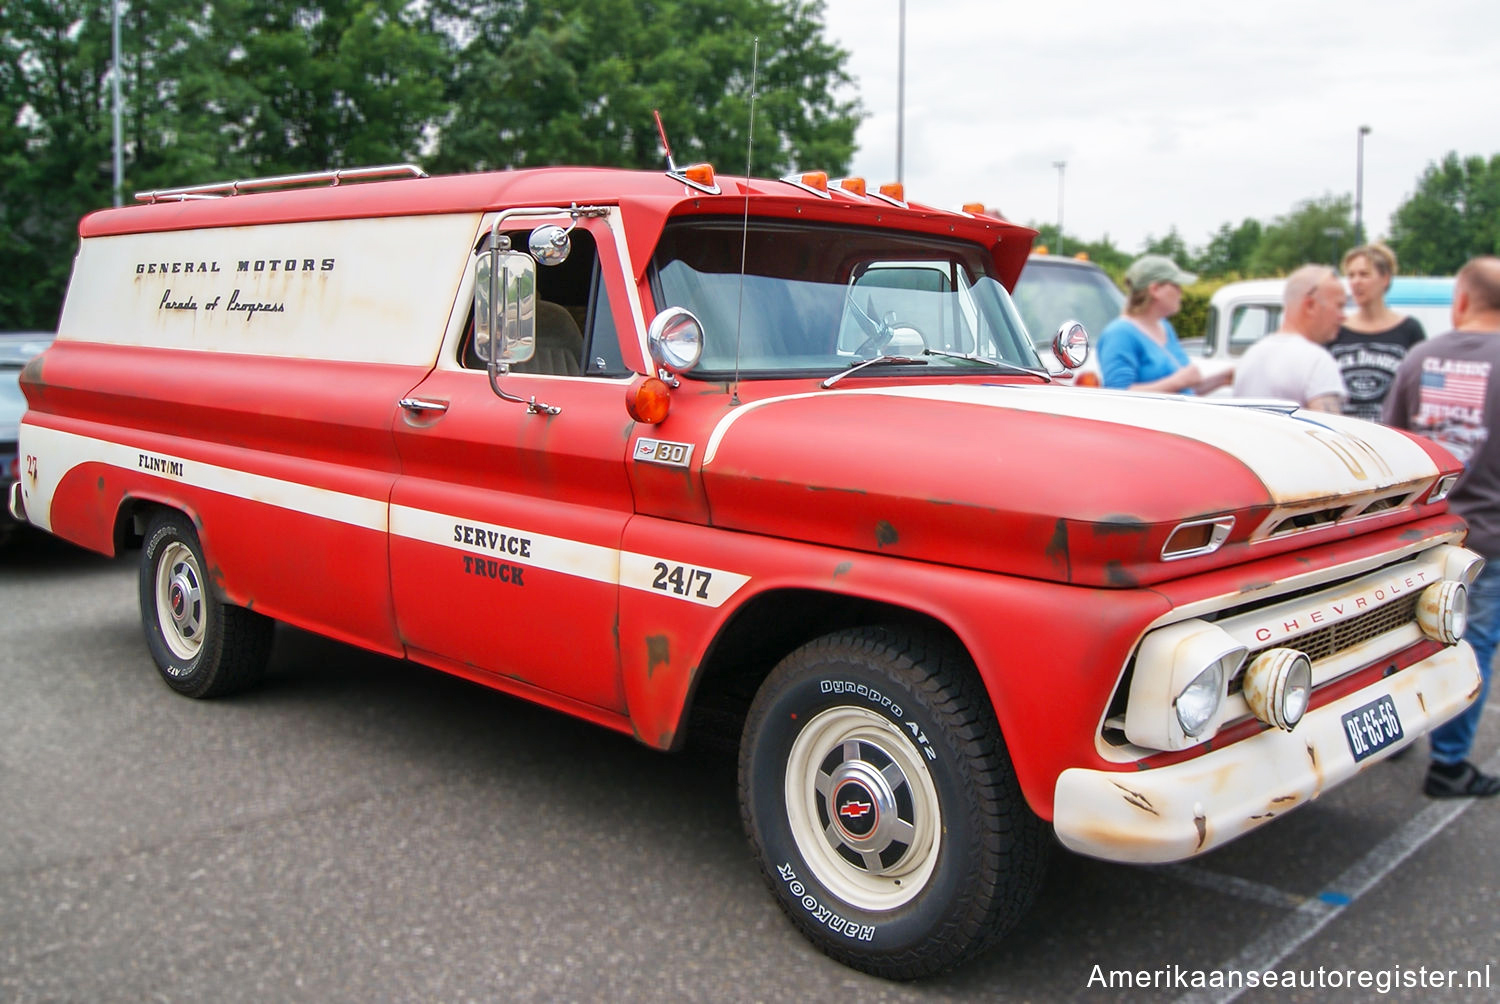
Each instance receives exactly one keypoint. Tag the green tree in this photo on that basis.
(1453, 215)
(293, 86)
(1230, 250)
(1172, 246)
(576, 81)
(55, 149)
(1318, 230)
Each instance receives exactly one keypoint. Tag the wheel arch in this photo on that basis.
(762, 632)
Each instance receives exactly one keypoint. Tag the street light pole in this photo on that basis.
(1359, 187)
(114, 72)
(1061, 166)
(901, 93)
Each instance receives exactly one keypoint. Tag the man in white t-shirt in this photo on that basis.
(1292, 363)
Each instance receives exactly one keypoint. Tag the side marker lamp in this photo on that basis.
(649, 400)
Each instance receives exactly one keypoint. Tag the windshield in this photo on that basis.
(819, 299)
(1049, 293)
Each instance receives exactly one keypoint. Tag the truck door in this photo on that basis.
(506, 524)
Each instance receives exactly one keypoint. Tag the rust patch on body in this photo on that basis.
(885, 534)
(1422, 701)
(842, 568)
(1200, 823)
(1057, 549)
(1136, 799)
(1475, 692)
(1259, 816)
(1114, 524)
(1118, 576)
(1283, 798)
(658, 653)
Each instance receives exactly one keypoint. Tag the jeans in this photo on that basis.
(1451, 741)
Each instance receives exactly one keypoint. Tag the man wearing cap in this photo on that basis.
(1139, 349)
(1293, 363)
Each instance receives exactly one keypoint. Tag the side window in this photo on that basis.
(1248, 324)
(604, 338)
(575, 330)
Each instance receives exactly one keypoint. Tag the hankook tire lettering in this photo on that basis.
(821, 913)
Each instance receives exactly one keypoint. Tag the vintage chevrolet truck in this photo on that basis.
(773, 460)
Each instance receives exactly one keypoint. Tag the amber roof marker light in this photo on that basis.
(699, 176)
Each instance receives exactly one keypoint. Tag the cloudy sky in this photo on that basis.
(1169, 113)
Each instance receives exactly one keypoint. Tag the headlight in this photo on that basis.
(1443, 611)
(1199, 700)
(1177, 688)
(1277, 686)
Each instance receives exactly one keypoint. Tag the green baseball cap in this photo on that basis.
(1156, 268)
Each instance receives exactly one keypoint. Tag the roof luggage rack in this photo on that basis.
(221, 189)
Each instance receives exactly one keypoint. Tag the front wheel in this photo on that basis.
(879, 798)
(202, 646)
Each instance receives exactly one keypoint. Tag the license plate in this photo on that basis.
(1372, 728)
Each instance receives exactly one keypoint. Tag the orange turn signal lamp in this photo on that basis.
(855, 185)
(648, 400)
(894, 190)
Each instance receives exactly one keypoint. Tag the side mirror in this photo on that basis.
(1071, 344)
(676, 339)
(505, 308)
(550, 245)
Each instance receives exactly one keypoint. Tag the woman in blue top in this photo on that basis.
(1139, 349)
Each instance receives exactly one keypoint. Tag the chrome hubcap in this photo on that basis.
(179, 600)
(862, 808)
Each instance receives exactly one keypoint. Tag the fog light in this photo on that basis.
(1277, 686)
(1443, 611)
(1199, 700)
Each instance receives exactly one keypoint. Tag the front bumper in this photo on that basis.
(1178, 811)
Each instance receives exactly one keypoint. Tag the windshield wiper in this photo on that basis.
(876, 361)
(1001, 364)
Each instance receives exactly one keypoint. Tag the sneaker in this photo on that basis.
(1465, 781)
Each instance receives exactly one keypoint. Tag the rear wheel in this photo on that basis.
(202, 646)
(881, 803)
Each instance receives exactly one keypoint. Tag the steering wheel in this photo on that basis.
(884, 333)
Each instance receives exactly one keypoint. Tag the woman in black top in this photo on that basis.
(1374, 339)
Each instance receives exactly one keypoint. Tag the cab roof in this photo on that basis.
(647, 199)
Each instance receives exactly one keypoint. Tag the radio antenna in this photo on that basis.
(739, 317)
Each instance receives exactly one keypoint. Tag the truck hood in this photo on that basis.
(1055, 483)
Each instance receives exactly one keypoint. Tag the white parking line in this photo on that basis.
(1312, 915)
(1231, 885)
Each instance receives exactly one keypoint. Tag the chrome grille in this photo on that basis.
(1321, 643)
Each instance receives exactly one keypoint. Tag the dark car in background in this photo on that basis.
(16, 349)
(1053, 289)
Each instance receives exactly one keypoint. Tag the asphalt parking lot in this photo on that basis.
(359, 829)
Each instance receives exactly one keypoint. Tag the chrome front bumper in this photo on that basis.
(17, 505)
(1178, 811)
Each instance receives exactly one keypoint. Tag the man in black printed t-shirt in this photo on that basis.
(1448, 389)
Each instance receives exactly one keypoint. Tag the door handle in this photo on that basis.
(423, 405)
